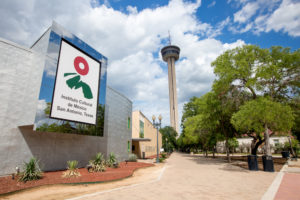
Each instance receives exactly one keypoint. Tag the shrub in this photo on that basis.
(112, 160)
(295, 145)
(233, 144)
(164, 155)
(161, 160)
(278, 147)
(132, 158)
(98, 163)
(31, 171)
(72, 169)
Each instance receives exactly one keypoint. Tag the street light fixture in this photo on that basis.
(157, 125)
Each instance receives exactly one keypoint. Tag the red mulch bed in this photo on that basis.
(7, 184)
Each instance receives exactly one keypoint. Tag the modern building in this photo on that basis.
(144, 136)
(25, 126)
(170, 54)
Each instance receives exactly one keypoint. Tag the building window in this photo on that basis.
(128, 146)
(128, 123)
(141, 129)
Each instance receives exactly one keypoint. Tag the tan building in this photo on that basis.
(144, 136)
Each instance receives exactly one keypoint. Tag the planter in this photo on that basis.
(285, 154)
(252, 162)
(268, 163)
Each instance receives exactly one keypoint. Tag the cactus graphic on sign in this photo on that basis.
(75, 81)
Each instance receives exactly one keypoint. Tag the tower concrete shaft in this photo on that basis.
(170, 54)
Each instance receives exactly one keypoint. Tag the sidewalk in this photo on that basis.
(290, 184)
(286, 185)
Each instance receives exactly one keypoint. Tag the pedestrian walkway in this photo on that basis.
(183, 176)
(193, 177)
(289, 188)
(290, 184)
(286, 185)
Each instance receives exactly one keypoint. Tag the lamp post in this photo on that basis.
(157, 125)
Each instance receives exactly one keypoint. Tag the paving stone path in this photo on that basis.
(193, 177)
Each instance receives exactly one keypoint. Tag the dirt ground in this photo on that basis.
(8, 185)
(181, 177)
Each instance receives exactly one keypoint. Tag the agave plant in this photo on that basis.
(31, 171)
(112, 160)
(72, 169)
(98, 163)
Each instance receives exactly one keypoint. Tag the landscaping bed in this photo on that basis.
(7, 184)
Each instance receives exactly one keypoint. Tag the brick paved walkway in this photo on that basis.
(289, 188)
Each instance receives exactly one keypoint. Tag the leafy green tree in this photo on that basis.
(295, 105)
(272, 72)
(190, 109)
(212, 120)
(255, 72)
(237, 67)
(168, 138)
(262, 115)
(278, 75)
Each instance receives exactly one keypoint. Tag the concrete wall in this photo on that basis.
(21, 72)
(119, 110)
(53, 150)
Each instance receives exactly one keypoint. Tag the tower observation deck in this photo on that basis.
(170, 54)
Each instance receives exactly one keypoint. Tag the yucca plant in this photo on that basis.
(31, 171)
(72, 169)
(98, 163)
(112, 160)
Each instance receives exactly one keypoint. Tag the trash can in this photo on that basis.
(285, 154)
(268, 163)
(143, 155)
(252, 162)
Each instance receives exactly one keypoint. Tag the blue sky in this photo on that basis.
(131, 33)
(213, 12)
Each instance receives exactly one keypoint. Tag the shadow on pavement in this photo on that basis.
(224, 165)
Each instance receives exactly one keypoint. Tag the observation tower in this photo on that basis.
(170, 54)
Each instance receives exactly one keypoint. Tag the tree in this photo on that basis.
(295, 105)
(212, 120)
(273, 72)
(255, 72)
(262, 115)
(168, 138)
(237, 67)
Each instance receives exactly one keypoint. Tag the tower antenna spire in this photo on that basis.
(169, 37)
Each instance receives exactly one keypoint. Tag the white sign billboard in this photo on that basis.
(75, 95)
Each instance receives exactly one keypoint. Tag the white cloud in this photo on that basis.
(132, 42)
(285, 18)
(246, 12)
(267, 15)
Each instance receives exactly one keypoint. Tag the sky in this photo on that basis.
(131, 33)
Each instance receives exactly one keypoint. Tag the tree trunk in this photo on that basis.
(205, 152)
(214, 150)
(267, 142)
(292, 150)
(227, 151)
(255, 144)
